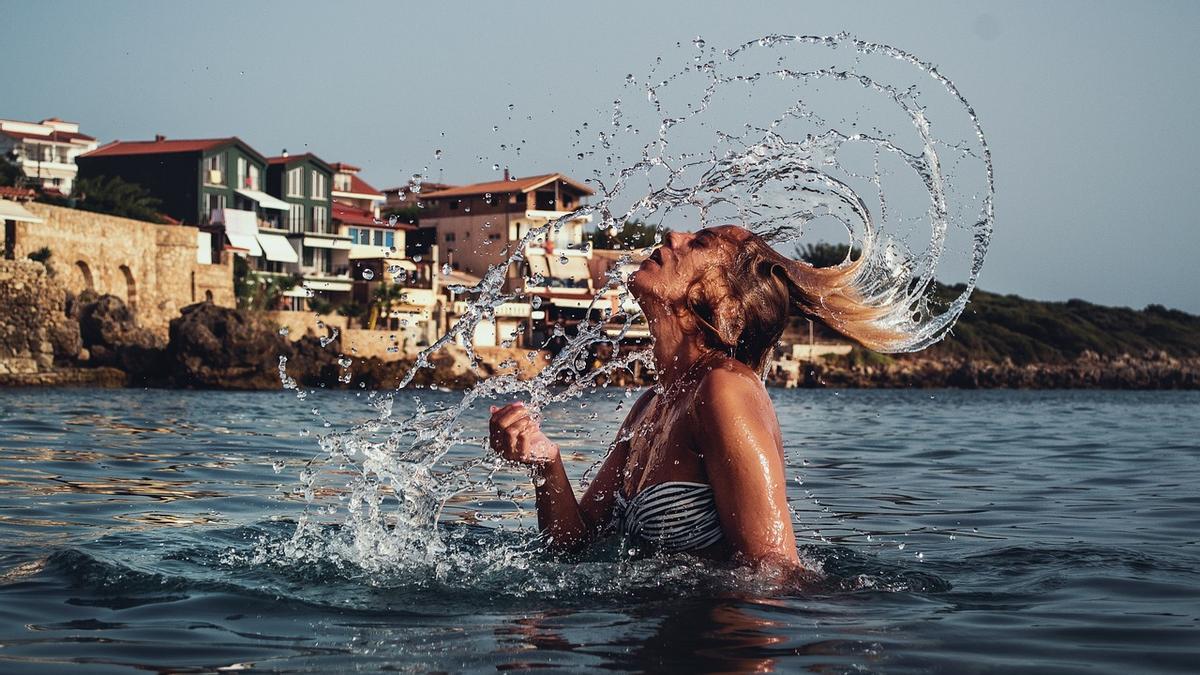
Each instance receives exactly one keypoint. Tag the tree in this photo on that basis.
(822, 254)
(116, 196)
(351, 310)
(259, 292)
(633, 234)
(410, 215)
(10, 172)
(320, 305)
(385, 296)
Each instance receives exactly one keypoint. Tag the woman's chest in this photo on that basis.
(661, 449)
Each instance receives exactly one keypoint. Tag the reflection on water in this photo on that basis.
(976, 531)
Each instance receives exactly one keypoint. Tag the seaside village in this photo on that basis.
(311, 241)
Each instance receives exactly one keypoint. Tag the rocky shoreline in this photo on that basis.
(211, 347)
(50, 338)
(1156, 371)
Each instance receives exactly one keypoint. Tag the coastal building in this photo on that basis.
(401, 293)
(45, 151)
(215, 184)
(320, 253)
(477, 224)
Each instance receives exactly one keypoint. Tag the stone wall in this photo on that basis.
(32, 317)
(151, 267)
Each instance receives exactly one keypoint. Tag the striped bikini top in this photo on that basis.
(670, 517)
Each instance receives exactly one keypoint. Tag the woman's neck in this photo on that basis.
(675, 349)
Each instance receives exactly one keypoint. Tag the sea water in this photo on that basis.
(959, 531)
(385, 514)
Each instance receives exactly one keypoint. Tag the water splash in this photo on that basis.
(789, 136)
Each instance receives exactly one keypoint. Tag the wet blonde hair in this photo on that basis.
(743, 307)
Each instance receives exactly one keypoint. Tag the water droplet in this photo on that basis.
(368, 274)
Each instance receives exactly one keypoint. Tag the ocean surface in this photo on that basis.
(981, 531)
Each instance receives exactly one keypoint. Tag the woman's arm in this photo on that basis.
(516, 435)
(738, 435)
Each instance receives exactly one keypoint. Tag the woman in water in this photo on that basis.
(698, 464)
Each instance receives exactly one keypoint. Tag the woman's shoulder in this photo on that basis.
(729, 381)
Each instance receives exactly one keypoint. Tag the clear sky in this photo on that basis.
(1089, 107)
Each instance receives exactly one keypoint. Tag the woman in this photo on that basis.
(698, 464)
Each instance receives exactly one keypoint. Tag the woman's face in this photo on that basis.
(683, 259)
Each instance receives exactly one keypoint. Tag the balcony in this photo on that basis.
(538, 214)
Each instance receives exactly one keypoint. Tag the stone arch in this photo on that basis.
(84, 272)
(130, 288)
(208, 296)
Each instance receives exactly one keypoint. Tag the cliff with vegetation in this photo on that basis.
(1012, 342)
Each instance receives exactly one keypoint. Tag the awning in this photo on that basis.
(319, 242)
(574, 268)
(277, 248)
(264, 200)
(14, 211)
(323, 285)
(246, 241)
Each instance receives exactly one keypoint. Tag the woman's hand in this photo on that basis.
(517, 437)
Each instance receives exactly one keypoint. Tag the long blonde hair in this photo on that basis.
(744, 308)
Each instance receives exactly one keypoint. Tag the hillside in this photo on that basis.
(995, 327)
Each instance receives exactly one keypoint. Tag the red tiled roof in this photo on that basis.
(352, 216)
(165, 146)
(361, 187)
(7, 192)
(53, 136)
(426, 187)
(288, 159)
(504, 186)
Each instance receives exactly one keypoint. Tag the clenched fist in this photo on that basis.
(516, 436)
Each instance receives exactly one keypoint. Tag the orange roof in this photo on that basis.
(352, 216)
(515, 185)
(15, 193)
(342, 166)
(359, 186)
(165, 146)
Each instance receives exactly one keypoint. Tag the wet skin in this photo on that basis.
(713, 422)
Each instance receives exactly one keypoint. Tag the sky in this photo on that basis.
(1088, 106)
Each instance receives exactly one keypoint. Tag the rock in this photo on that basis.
(214, 347)
(112, 336)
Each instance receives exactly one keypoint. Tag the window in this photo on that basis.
(214, 202)
(449, 236)
(295, 182)
(242, 172)
(319, 186)
(252, 178)
(308, 257)
(454, 204)
(341, 182)
(379, 237)
(389, 239)
(320, 221)
(353, 235)
(214, 169)
(296, 218)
